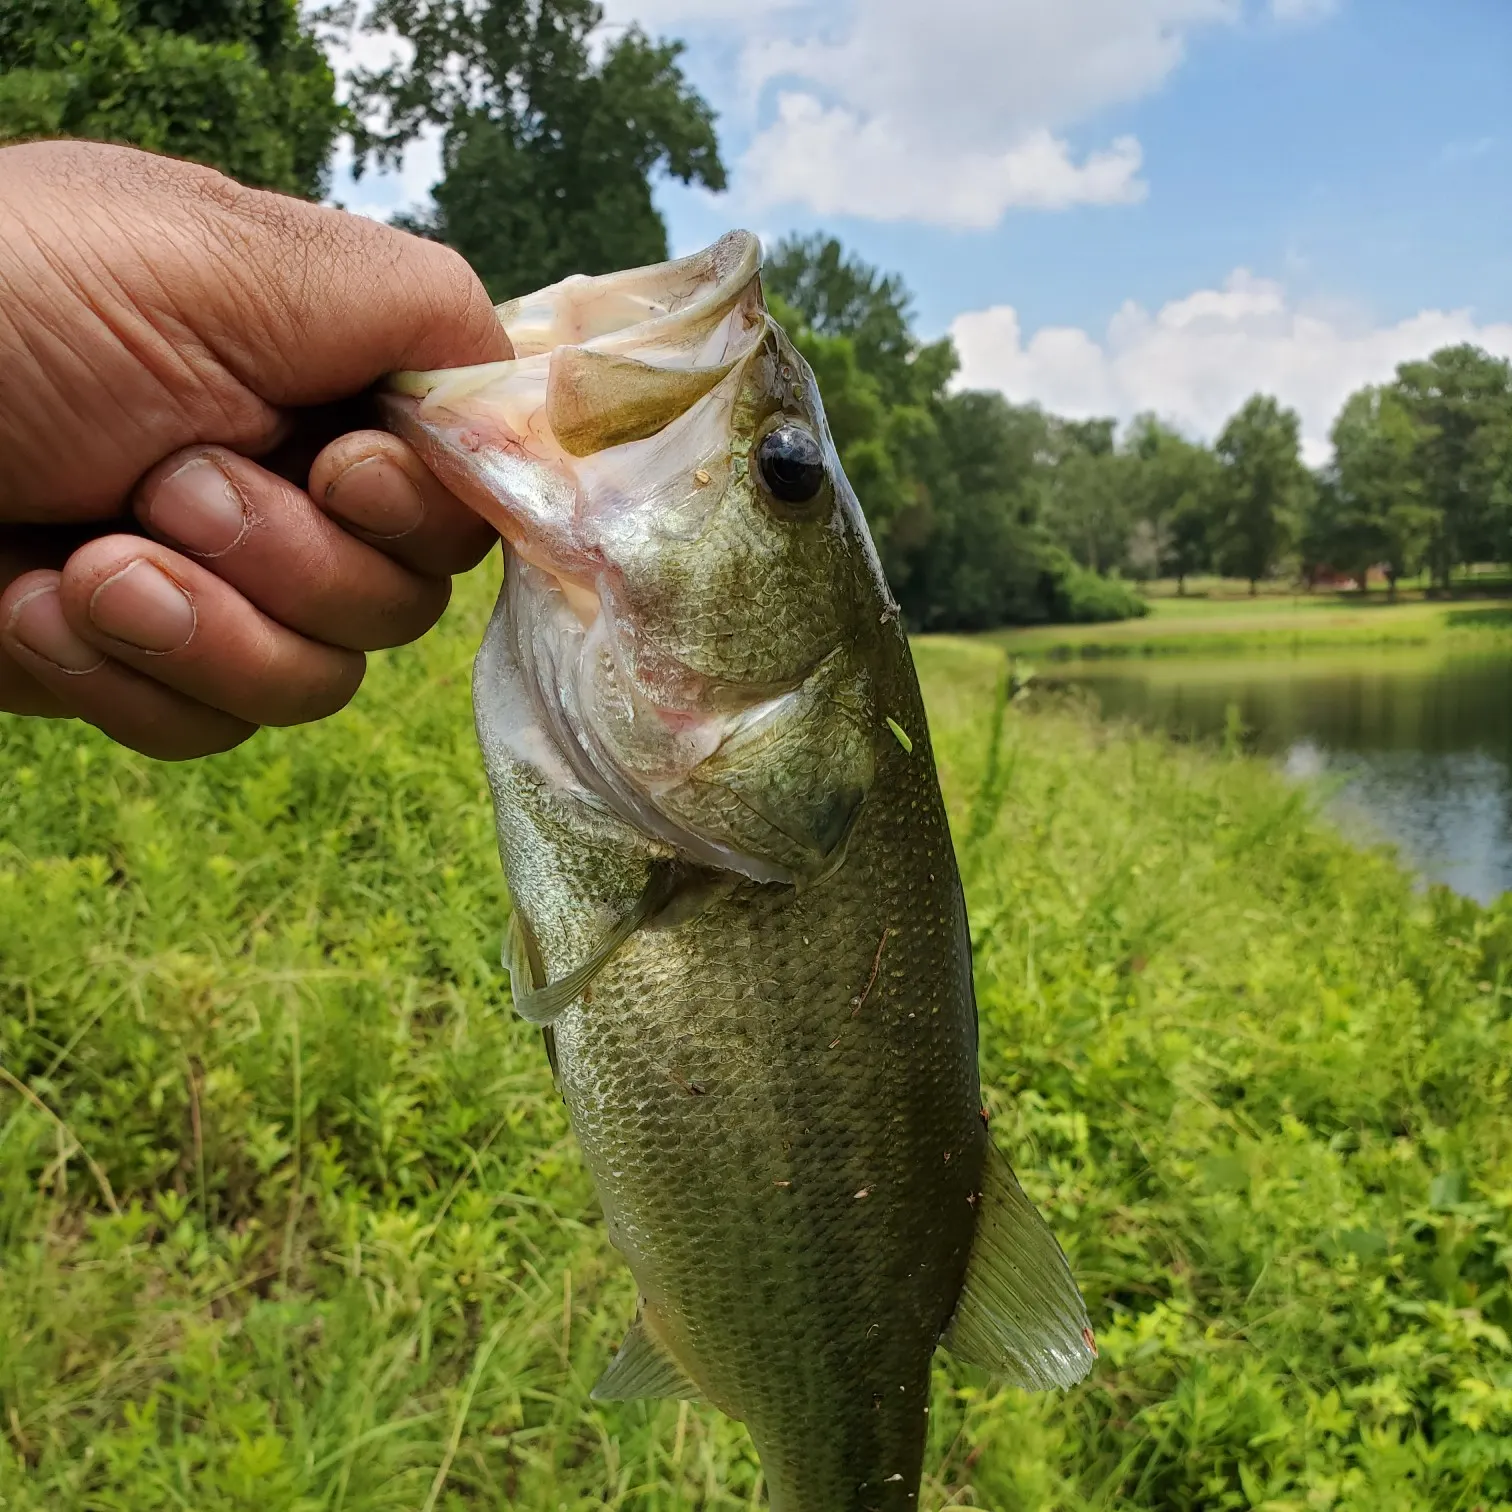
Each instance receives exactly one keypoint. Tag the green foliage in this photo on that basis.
(1460, 400)
(552, 137)
(834, 293)
(1175, 499)
(337, 1249)
(1088, 492)
(1263, 488)
(966, 494)
(1369, 508)
(242, 86)
(1079, 597)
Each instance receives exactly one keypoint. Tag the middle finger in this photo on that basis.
(267, 539)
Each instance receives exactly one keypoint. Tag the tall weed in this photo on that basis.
(291, 1218)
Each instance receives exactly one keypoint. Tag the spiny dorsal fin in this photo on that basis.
(1020, 1315)
(643, 1368)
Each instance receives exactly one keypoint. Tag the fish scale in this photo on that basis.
(737, 914)
(806, 1310)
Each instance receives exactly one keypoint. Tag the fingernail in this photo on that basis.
(199, 508)
(37, 623)
(144, 607)
(377, 497)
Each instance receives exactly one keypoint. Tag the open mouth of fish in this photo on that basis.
(542, 446)
(599, 362)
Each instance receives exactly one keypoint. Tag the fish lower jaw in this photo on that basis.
(580, 592)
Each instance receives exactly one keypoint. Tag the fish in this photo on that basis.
(736, 913)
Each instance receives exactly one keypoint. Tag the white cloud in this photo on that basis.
(1303, 10)
(949, 113)
(1466, 152)
(1197, 359)
(837, 163)
(379, 194)
(956, 111)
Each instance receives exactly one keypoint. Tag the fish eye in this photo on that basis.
(792, 464)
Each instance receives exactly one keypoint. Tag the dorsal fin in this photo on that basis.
(1020, 1315)
(643, 1368)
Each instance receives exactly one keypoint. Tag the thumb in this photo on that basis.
(320, 304)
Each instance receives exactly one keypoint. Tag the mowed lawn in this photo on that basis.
(291, 1219)
(1215, 620)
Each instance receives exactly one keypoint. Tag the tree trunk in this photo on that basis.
(1254, 587)
(1443, 567)
(1181, 585)
(1391, 582)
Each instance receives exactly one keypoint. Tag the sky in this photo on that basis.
(1115, 206)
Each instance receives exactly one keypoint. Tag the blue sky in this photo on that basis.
(1124, 204)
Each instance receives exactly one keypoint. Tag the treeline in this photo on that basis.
(986, 513)
(960, 488)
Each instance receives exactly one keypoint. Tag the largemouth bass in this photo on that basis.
(737, 915)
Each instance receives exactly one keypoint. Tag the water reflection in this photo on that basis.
(1411, 748)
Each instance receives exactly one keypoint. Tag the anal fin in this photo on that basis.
(643, 1368)
(1020, 1315)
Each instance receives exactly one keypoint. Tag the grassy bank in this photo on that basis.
(1223, 624)
(290, 1218)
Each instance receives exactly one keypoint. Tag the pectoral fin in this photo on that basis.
(544, 1004)
(643, 1368)
(522, 960)
(1020, 1315)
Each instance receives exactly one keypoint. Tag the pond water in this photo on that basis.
(1408, 747)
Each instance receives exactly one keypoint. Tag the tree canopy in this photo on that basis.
(955, 485)
(241, 85)
(1263, 488)
(552, 136)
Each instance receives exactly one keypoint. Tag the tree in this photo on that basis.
(1087, 494)
(1262, 488)
(241, 85)
(1175, 489)
(836, 294)
(1376, 488)
(1337, 533)
(551, 137)
(1461, 400)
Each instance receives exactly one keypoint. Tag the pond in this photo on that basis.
(1408, 746)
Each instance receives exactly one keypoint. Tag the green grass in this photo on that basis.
(291, 1219)
(1274, 622)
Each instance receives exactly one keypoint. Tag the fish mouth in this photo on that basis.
(612, 426)
(599, 364)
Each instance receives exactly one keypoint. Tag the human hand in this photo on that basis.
(160, 328)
